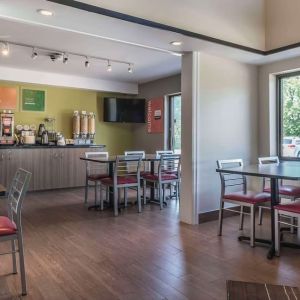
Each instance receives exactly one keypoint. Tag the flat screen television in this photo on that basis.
(124, 110)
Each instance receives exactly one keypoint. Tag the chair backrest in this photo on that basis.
(16, 194)
(127, 165)
(169, 164)
(269, 160)
(144, 165)
(158, 153)
(93, 168)
(231, 181)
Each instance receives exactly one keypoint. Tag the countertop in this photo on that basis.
(48, 146)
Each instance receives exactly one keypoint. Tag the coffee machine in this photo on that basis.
(7, 128)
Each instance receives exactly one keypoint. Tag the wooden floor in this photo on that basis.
(72, 253)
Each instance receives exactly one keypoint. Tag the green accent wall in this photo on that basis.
(60, 104)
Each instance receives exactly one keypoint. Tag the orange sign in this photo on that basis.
(8, 98)
(155, 115)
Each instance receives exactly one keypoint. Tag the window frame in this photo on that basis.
(279, 116)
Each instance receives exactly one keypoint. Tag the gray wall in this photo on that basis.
(162, 87)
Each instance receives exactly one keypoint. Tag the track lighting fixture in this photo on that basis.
(109, 67)
(87, 62)
(130, 68)
(56, 55)
(65, 58)
(4, 49)
(34, 54)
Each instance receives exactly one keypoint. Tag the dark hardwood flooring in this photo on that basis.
(72, 253)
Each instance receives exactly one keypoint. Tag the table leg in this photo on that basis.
(274, 201)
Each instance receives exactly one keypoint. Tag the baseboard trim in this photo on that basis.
(214, 215)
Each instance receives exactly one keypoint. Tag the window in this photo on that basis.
(289, 116)
(174, 140)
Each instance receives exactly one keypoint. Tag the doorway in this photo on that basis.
(174, 123)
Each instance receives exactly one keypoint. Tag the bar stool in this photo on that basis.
(242, 198)
(11, 227)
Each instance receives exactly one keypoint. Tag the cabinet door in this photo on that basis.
(24, 158)
(79, 167)
(3, 167)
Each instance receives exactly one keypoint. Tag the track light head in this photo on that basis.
(130, 68)
(65, 58)
(87, 62)
(4, 49)
(34, 54)
(109, 67)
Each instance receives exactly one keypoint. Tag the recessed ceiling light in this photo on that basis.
(176, 43)
(45, 12)
(4, 49)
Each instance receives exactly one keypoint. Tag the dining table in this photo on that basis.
(287, 170)
(2, 190)
(111, 160)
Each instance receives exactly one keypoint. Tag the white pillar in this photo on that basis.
(190, 87)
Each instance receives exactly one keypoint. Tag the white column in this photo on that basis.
(190, 85)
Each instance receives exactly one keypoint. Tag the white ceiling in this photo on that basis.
(73, 30)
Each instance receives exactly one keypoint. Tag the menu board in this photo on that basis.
(155, 111)
(8, 98)
(33, 100)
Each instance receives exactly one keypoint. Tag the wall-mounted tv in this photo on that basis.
(124, 110)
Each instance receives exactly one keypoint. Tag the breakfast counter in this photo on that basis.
(52, 167)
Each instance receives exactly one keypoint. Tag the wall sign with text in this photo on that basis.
(33, 100)
(155, 115)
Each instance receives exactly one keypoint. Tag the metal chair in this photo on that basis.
(244, 198)
(94, 173)
(291, 192)
(124, 179)
(10, 226)
(289, 210)
(168, 173)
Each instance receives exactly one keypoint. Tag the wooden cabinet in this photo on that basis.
(51, 168)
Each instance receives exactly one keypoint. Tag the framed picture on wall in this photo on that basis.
(33, 100)
(8, 98)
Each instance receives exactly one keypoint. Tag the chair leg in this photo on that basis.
(145, 191)
(164, 193)
(22, 264)
(125, 197)
(293, 222)
(277, 233)
(177, 191)
(101, 198)
(260, 215)
(116, 206)
(14, 261)
(161, 196)
(86, 191)
(139, 199)
(221, 217)
(242, 218)
(96, 192)
(252, 225)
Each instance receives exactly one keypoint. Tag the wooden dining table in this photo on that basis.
(288, 170)
(111, 160)
(2, 190)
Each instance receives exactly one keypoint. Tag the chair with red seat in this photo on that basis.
(239, 195)
(168, 173)
(10, 226)
(291, 192)
(126, 175)
(94, 173)
(289, 210)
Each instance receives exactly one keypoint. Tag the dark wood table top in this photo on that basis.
(112, 158)
(283, 170)
(2, 190)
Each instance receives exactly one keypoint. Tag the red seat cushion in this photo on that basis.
(7, 227)
(121, 180)
(287, 190)
(144, 173)
(250, 197)
(96, 177)
(293, 207)
(164, 177)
